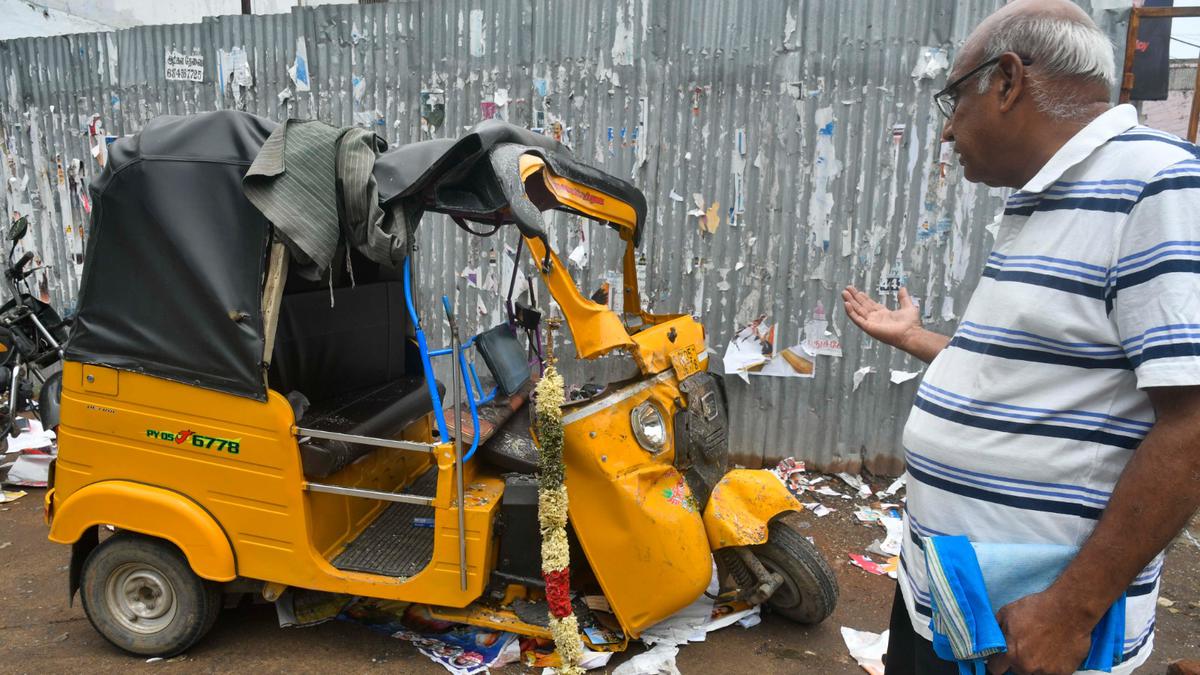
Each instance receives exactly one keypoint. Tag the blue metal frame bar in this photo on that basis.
(474, 389)
(426, 364)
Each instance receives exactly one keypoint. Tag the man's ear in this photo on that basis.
(1012, 80)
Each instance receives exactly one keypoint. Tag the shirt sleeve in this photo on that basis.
(1154, 285)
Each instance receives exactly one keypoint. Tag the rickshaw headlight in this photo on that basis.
(649, 428)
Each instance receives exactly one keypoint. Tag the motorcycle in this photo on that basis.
(31, 338)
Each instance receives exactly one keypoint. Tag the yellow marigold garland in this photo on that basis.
(552, 517)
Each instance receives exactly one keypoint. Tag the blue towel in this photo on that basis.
(964, 607)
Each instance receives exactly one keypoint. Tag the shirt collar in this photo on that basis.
(1098, 132)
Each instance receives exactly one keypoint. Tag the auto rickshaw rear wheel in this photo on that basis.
(141, 594)
(809, 591)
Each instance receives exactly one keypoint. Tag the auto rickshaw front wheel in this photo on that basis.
(809, 591)
(142, 596)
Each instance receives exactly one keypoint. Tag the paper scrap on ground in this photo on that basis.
(791, 472)
(866, 648)
(895, 535)
(818, 508)
(850, 479)
(658, 661)
(867, 564)
(828, 491)
(901, 376)
(459, 648)
(690, 624)
(7, 496)
(891, 489)
(30, 454)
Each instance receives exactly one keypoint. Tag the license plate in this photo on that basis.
(686, 362)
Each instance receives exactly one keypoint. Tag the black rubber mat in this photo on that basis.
(394, 545)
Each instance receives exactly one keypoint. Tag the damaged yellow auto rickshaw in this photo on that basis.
(232, 423)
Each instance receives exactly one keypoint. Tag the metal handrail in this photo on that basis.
(369, 494)
(301, 432)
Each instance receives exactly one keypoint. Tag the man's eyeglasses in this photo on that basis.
(947, 99)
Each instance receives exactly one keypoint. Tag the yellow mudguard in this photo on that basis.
(742, 505)
(151, 511)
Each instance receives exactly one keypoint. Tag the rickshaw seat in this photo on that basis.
(512, 446)
(380, 411)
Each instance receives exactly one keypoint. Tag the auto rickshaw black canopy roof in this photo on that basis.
(455, 176)
(172, 283)
(176, 253)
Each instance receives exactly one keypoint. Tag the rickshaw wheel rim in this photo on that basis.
(140, 598)
(787, 595)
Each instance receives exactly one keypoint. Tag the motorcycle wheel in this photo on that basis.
(809, 591)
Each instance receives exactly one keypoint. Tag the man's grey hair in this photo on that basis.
(1064, 51)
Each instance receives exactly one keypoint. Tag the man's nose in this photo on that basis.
(948, 130)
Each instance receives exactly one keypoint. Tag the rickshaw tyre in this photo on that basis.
(197, 601)
(810, 590)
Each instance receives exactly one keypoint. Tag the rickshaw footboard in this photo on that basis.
(400, 541)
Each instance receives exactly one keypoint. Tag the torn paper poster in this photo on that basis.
(860, 374)
(478, 33)
(582, 251)
(817, 338)
(866, 648)
(675, 196)
(931, 62)
(180, 67)
(298, 71)
(793, 361)
(751, 348)
(233, 69)
(901, 376)
(947, 308)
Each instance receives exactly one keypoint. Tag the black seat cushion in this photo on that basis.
(505, 357)
(512, 446)
(380, 411)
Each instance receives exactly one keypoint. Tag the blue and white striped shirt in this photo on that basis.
(1022, 426)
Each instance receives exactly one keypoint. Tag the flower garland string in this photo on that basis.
(552, 516)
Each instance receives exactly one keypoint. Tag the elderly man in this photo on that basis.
(1066, 407)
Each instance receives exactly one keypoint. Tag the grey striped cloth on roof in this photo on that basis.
(294, 182)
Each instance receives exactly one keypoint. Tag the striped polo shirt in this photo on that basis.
(1022, 426)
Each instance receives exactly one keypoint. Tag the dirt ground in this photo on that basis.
(40, 633)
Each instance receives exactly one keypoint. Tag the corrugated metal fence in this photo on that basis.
(802, 132)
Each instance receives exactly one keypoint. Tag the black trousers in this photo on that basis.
(909, 653)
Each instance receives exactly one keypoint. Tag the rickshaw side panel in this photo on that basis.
(742, 506)
(232, 456)
(279, 532)
(152, 511)
(623, 502)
